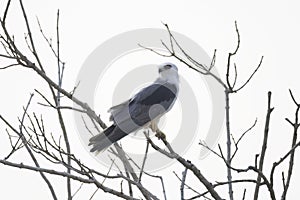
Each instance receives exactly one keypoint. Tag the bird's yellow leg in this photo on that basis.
(153, 126)
(158, 133)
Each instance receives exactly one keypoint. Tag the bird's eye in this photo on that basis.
(167, 66)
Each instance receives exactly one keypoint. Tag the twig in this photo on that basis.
(6, 10)
(187, 164)
(291, 153)
(87, 128)
(67, 143)
(153, 176)
(129, 184)
(14, 147)
(8, 56)
(241, 137)
(30, 36)
(121, 154)
(184, 173)
(202, 143)
(94, 193)
(235, 76)
(25, 62)
(221, 184)
(79, 188)
(255, 169)
(230, 87)
(244, 194)
(230, 55)
(9, 66)
(228, 135)
(21, 135)
(65, 174)
(49, 41)
(251, 76)
(293, 98)
(264, 145)
(144, 161)
(190, 62)
(110, 167)
(213, 60)
(188, 187)
(59, 67)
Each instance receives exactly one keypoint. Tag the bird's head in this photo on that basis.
(166, 67)
(168, 72)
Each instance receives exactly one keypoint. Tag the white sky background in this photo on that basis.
(268, 28)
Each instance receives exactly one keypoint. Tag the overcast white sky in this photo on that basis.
(268, 28)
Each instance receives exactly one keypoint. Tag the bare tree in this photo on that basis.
(32, 136)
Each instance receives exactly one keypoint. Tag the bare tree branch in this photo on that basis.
(264, 145)
(24, 141)
(30, 35)
(255, 169)
(187, 164)
(294, 143)
(228, 144)
(240, 138)
(9, 66)
(251, 76)
(144, 161)
(65, 174)
(6, 10)
(229, 61)
(187, 186)
(55, 148)
(184, 173)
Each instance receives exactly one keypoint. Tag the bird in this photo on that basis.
(143, 110)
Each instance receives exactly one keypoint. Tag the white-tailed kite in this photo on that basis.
(143, 110)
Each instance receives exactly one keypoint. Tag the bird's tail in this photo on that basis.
(103, 140)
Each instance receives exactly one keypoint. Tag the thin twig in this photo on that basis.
(235, 75)
(65, 174)
(296, 125)
(6, 10)
(259, 173)
(229, 62)
(240, 138)
(184, 173)
(121, 154)
(144, 161)
(153, 176)
(186, 163)
(203, 143)
(9, 66)
(94, 193)
(244, 194)
(24, 141)
(187, 186)
(79, 188)
(30, 36)
(264, 145)
(87, 128)
(251, 76)
(222, 184)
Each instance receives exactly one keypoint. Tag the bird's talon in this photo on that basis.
(160, 135)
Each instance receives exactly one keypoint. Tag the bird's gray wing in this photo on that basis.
(118, 111)
(151, 102)
(148, 104)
